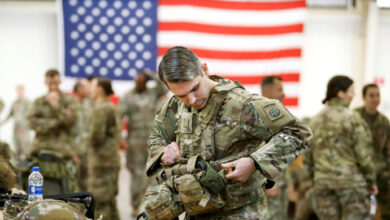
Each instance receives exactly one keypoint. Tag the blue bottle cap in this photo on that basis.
(35, 169)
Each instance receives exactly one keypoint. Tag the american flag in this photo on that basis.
(240, 40)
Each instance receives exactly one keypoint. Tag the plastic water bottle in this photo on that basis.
(373, 206)
(35, 182)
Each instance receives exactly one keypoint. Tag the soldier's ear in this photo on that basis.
(205, 69)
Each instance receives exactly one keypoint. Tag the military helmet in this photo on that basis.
(49, 209)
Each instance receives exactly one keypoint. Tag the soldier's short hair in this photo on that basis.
(90, 78)
(179, 64)
(366, 87)
(336, 84)
(269, 80)
(76, 86)
(52, 73)
(105, 83)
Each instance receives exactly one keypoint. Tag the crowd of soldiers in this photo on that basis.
(274, 166)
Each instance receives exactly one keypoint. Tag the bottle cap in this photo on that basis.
(35, 169)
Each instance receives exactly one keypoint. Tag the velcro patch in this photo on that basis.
(273, 111)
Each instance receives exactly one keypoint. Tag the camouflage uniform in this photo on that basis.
(302, 183)
(82, 142)
(340, 163)
(53, 148)
(103, 158)
(380, 131)
(232, 125)
(19, 110)
(278, 205)
(140, 109)
(7, 171)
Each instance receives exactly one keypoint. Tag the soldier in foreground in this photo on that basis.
(380, 131)
(139, 106)
(215, 120)
(53, 117)
(340, 158)
(19, 110)
(277, 196)
(103, 157)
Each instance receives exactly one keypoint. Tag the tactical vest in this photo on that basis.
(196, 137)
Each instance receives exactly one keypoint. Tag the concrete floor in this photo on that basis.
(123, 198)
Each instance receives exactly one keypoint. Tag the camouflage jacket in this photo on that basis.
(140, 109)
(81, 132)
(54, 126)
(19, 111)
(105, 128)
(233, 124)
(340, 154)
(380, 131)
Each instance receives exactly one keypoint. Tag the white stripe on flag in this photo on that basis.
(230, 17)
(229, 42)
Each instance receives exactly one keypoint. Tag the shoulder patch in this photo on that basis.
(273, 111)
(275, 115)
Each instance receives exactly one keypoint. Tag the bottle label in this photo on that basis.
(35, 190)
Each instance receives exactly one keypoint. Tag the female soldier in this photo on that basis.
(340, 156)
(103, 157)
(380, 130)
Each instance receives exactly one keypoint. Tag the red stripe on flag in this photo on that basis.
(253, 80)
(229, 30)
(290, 101)
(240, 55)
(230, 5)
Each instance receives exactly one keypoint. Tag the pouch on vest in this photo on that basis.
(161, 203)
(197, 199)
(212, 180)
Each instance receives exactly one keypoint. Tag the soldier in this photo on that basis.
(277, 196)
(340, 156)
(103, 157)
(19, 110)
(53, 117)
(380, 131)
(215, 118)
(82, 91)
(139, 106)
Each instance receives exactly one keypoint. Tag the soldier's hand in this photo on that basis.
(373, 190)
(53, 99)
(244, 168)
(171, 152)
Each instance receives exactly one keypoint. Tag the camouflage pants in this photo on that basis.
(383, 196)
(277, 206)
(103, 184)
(256, 210)
(83, 174)
(60, 175)
(346, 204)
(304, 208)
(22, 141)
(136, 163)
